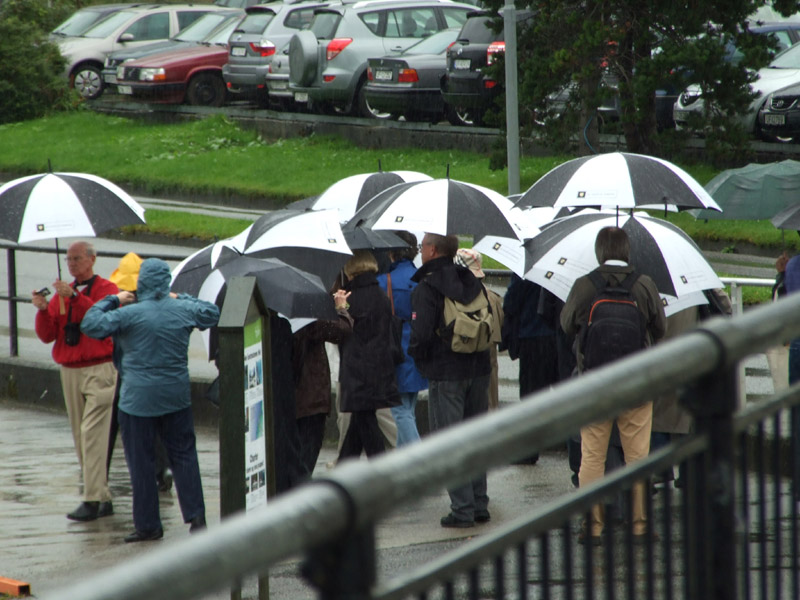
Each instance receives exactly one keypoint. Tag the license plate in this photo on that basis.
(774, 119)
(278, 85)
(238, 51)
(124, 89)
(383, 75)
(110, 78)
(301, 97)
(461, 63)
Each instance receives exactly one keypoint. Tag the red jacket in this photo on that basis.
(50, 326)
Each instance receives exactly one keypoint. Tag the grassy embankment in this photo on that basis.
(216, 158)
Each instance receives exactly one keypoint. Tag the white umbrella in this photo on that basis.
(191, 272)
(620, 180)
(564, 251)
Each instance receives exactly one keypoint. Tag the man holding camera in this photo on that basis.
(88, 377)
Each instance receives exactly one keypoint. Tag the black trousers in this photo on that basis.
(363, 434)
(311, 431)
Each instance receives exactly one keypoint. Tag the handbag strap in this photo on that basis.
(389, 290)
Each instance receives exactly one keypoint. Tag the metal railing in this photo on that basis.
(732, 516)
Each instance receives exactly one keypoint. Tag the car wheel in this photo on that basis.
(363, 108)
(206, 89)
(461, 116)
(303, 58)
(87, 80)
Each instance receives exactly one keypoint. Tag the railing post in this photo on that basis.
(13, 326)
(345, 569)
(713, 402)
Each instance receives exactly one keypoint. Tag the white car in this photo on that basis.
(124, 29)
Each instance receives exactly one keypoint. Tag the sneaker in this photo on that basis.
(452, 521)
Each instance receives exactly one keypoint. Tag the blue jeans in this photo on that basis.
(176, 431)
(405, 416)
(452, 402)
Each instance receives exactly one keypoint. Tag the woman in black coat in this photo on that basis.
(366, 369)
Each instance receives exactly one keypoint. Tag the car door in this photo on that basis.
(148, 28)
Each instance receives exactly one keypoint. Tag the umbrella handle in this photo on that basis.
(62, 309)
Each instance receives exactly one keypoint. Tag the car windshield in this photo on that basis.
(788, 59)
(108, 26)
(79, 22)
(256, 22)
(202, 27)
(434, 44)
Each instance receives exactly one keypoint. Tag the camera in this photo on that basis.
(72, 333)
(43, 292)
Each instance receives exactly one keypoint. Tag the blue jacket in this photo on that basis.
(408, 377)
(153, 338)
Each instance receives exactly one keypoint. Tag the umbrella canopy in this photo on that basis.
(442, 206)
(788, 218)
(312, 241)
(564, 251)
(351, 193)
(361, 238)
(188, 276)
(617, 179)
(53, 205)
(754, 192)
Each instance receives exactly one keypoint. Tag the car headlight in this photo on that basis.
(152, 74)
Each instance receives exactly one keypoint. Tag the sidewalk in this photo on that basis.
(40, 479)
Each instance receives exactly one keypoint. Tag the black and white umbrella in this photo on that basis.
(188, 276)
(618, 180)
(292, 293)
(362, 238)
(788, 218)
(312, 241)
(564, 251)
(54, 205)
(351, 193)
(442, 206)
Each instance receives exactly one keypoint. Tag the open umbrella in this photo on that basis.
(617, 180)
(53, 205)
(351, 193)
(362, 238)
(442, 206)
(788, 218)
(754, 192)
(311, 240)
(188, 276)
(564, 251)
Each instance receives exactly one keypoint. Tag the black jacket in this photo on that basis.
(435, 360)
(366, 369)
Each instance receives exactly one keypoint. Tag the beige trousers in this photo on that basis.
(634, 431)
(89, 397)
(385, 422)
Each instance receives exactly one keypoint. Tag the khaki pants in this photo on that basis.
(89, 398)
(385, 421)
(634, 431)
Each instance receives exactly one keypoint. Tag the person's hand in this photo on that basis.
(126, 298)
(340, 299)
(63, 289)
(39, 300)
(780, 264)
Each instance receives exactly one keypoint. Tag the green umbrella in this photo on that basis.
(754, 192)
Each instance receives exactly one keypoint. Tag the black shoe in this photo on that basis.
(197, 524)
(482, 516)
(106, 509)
(592, 540)
(144, 536)
(452, 521)
(86, 511)
(164, 480)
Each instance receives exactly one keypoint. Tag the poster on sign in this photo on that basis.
(254, 429)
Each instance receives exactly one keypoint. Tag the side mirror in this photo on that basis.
(126, 37)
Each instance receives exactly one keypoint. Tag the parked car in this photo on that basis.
(409, 84)
(280, 97)
(128, 28)
(328, 61)
(206, 28)
(191, 74)
(779, 116)
(467, 91)
(84, 18)
(253, 44)
(781, 72)
(236, 3)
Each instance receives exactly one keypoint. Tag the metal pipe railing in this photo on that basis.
(356, 495)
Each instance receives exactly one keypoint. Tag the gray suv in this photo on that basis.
(328, 61)
(254, 42)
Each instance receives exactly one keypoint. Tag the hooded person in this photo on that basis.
(152, 331)
(125, 276)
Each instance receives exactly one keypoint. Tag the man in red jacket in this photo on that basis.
(88, 377)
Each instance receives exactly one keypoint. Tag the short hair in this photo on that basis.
(362, 261)
(446, 245)
(88, 247)
(409, 253)
(612, 243)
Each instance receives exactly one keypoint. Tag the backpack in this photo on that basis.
(615, 327)
(468, 327)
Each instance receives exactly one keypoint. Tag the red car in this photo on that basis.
(190, 75)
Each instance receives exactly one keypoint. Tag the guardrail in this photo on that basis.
(707, 537)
